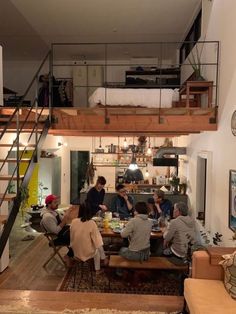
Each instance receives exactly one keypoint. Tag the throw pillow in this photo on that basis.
(229, 265)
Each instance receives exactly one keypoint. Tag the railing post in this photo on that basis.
(17, 150)
(50, 83)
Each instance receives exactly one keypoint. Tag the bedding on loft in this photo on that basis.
(138, 97)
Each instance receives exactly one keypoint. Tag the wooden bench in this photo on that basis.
(154, 262)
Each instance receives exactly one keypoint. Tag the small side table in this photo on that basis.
(35, 219)
(197, 88)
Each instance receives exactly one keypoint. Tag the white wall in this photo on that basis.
(222, 144)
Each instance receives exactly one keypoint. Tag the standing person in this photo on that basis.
(163, 206)
(138, 231)
(96, 195)
(181, 230)
(85, 238)
(52, 222)
(122, 203)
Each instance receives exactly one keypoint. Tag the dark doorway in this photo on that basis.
(201, 188)
(79, 161)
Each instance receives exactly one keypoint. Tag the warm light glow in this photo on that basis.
(133, 166)
(125, 144)
(147, 174)
(149, 151)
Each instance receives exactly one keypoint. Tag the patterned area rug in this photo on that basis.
(138, 282)
(8, 309)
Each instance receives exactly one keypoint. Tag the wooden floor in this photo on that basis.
(58, 301)
(27, 282)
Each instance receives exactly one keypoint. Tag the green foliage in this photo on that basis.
(24, 193)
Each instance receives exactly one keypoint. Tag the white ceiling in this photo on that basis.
(28, 27)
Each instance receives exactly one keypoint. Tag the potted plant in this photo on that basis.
(174, 182)
(24, 192)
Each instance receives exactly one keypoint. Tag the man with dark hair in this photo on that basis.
(138, 231)
(96, 195)
(180, 231)
(163, 207)
(122, 203)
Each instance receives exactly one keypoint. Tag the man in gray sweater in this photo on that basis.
(180, 232)
(138, 231)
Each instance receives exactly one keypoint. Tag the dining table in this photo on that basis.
(108, 232)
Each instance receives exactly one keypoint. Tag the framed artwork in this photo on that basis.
(232, 200)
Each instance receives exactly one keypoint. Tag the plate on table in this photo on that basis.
(156, 229)
(117, 230)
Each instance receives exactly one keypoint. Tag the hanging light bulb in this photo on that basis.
(133, 165)
(125, 144)
(100, 142)
(149, 150)
(147, 174)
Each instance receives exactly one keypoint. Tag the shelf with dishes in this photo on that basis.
(104, 164)
(120, 159)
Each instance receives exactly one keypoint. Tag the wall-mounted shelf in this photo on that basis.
(164, 78)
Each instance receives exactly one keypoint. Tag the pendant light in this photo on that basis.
(133, 173)
(125, 144)
(149, 150)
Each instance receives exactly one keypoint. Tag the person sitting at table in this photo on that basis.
(138, 231)
(122, 203)
(180, 232)
(54, 223)
(163, 207)
(96, 195)
(85, 238)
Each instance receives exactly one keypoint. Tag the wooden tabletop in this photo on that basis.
(110, 233)
(217, 252)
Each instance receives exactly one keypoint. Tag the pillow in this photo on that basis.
(229, 265)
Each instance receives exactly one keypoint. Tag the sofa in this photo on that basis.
(205, 292)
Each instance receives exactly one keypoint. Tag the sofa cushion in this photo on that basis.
(208, 297)
(229, 265)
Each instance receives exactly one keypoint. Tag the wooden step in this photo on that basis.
(24, 301)
(3, 219)
(14, 160)
(8, 197)
(8, 177)
(20, 145)
(23, 131)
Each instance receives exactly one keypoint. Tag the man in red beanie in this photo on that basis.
(52, 222)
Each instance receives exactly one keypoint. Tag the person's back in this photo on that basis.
(138, 231)
(85, 238)
(184, 232)
(181, 231)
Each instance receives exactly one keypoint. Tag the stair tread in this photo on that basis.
(8, 197)
(3, 219)
(15, 160)
(20, 145)
(8, 177)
